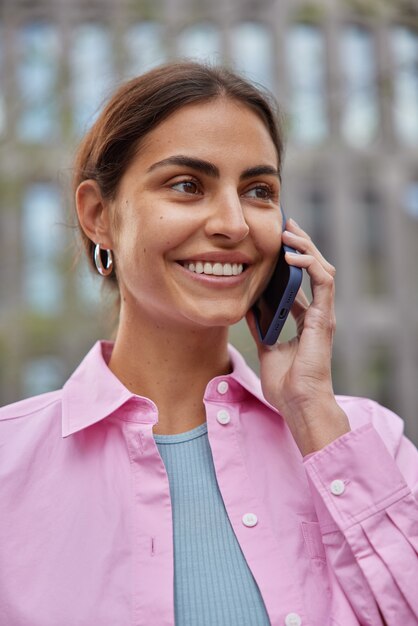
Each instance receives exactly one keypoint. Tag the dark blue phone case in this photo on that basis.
(284, 300)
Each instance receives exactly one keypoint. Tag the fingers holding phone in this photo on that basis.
(275, 303)
(283, 293)
(321, 311)
(297, 373)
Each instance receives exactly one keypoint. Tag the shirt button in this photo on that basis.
(223, 417)
(293, 619)
(222, 387)
(337, 487)
(249, 519)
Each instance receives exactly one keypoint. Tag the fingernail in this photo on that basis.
(293, 222)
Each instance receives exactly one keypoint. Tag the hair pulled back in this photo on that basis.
(140, 104)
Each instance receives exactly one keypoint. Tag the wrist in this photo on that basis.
(317, 425)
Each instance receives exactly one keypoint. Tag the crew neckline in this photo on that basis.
(198, 431)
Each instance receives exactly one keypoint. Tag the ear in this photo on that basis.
(93, 213)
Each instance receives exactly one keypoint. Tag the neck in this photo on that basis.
(171, 366)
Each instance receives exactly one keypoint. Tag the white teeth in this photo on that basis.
(216, 269)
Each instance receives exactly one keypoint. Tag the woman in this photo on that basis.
(163, 484)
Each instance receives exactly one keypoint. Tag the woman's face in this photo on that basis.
(198, 218)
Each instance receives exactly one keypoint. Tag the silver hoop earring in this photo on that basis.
(104, 270)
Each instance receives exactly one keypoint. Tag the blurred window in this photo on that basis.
(2, 84)
(405, 52)
(378, 376)
(88, 284)
(360, 114)
(43, 240)
(41, 375)
(315, 210)
(306, 66)
(144, 47)
(37, 74)
(252, 52)
(411, 199)
(201, 42)
(372, 243)
(91, 68)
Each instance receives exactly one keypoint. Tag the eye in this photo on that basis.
(260, 192)
(187, 186)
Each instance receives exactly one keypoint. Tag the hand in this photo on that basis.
(296, 375)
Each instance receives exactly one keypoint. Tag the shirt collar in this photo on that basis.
(246, 377)
(93, 392)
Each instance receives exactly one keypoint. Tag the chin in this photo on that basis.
(220, 320)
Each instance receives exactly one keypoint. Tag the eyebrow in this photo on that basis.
(210, 169)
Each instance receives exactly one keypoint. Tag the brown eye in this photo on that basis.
(187, 186)
(260, 192)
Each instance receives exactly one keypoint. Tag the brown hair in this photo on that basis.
(140, 104)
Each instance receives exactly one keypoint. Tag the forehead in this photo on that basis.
(219, 130)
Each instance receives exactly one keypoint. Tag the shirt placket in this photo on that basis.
(267, 555)
(152, 530)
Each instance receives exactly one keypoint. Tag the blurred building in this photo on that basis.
(346, 75)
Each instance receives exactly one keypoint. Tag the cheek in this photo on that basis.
(267, 236)
(141, 241)
(172, 229)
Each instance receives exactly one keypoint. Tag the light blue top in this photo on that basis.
(213, 585)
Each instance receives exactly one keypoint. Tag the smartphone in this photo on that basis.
(273, 306)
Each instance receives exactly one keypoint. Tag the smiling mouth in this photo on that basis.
(214, 269)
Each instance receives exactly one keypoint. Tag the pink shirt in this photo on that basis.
(85, 511)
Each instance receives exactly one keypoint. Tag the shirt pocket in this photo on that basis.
(317, 580)
(313, 541)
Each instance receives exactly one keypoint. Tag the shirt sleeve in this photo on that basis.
(364, 487)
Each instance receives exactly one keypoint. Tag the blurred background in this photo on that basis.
(346, 75)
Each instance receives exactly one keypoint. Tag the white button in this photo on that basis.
(293, 619)
(223, 417)
(249, 519)
(337, 487)
(222, 387)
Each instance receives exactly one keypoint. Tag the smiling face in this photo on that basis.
(198, 218)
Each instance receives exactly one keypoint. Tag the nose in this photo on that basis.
(227, 219)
